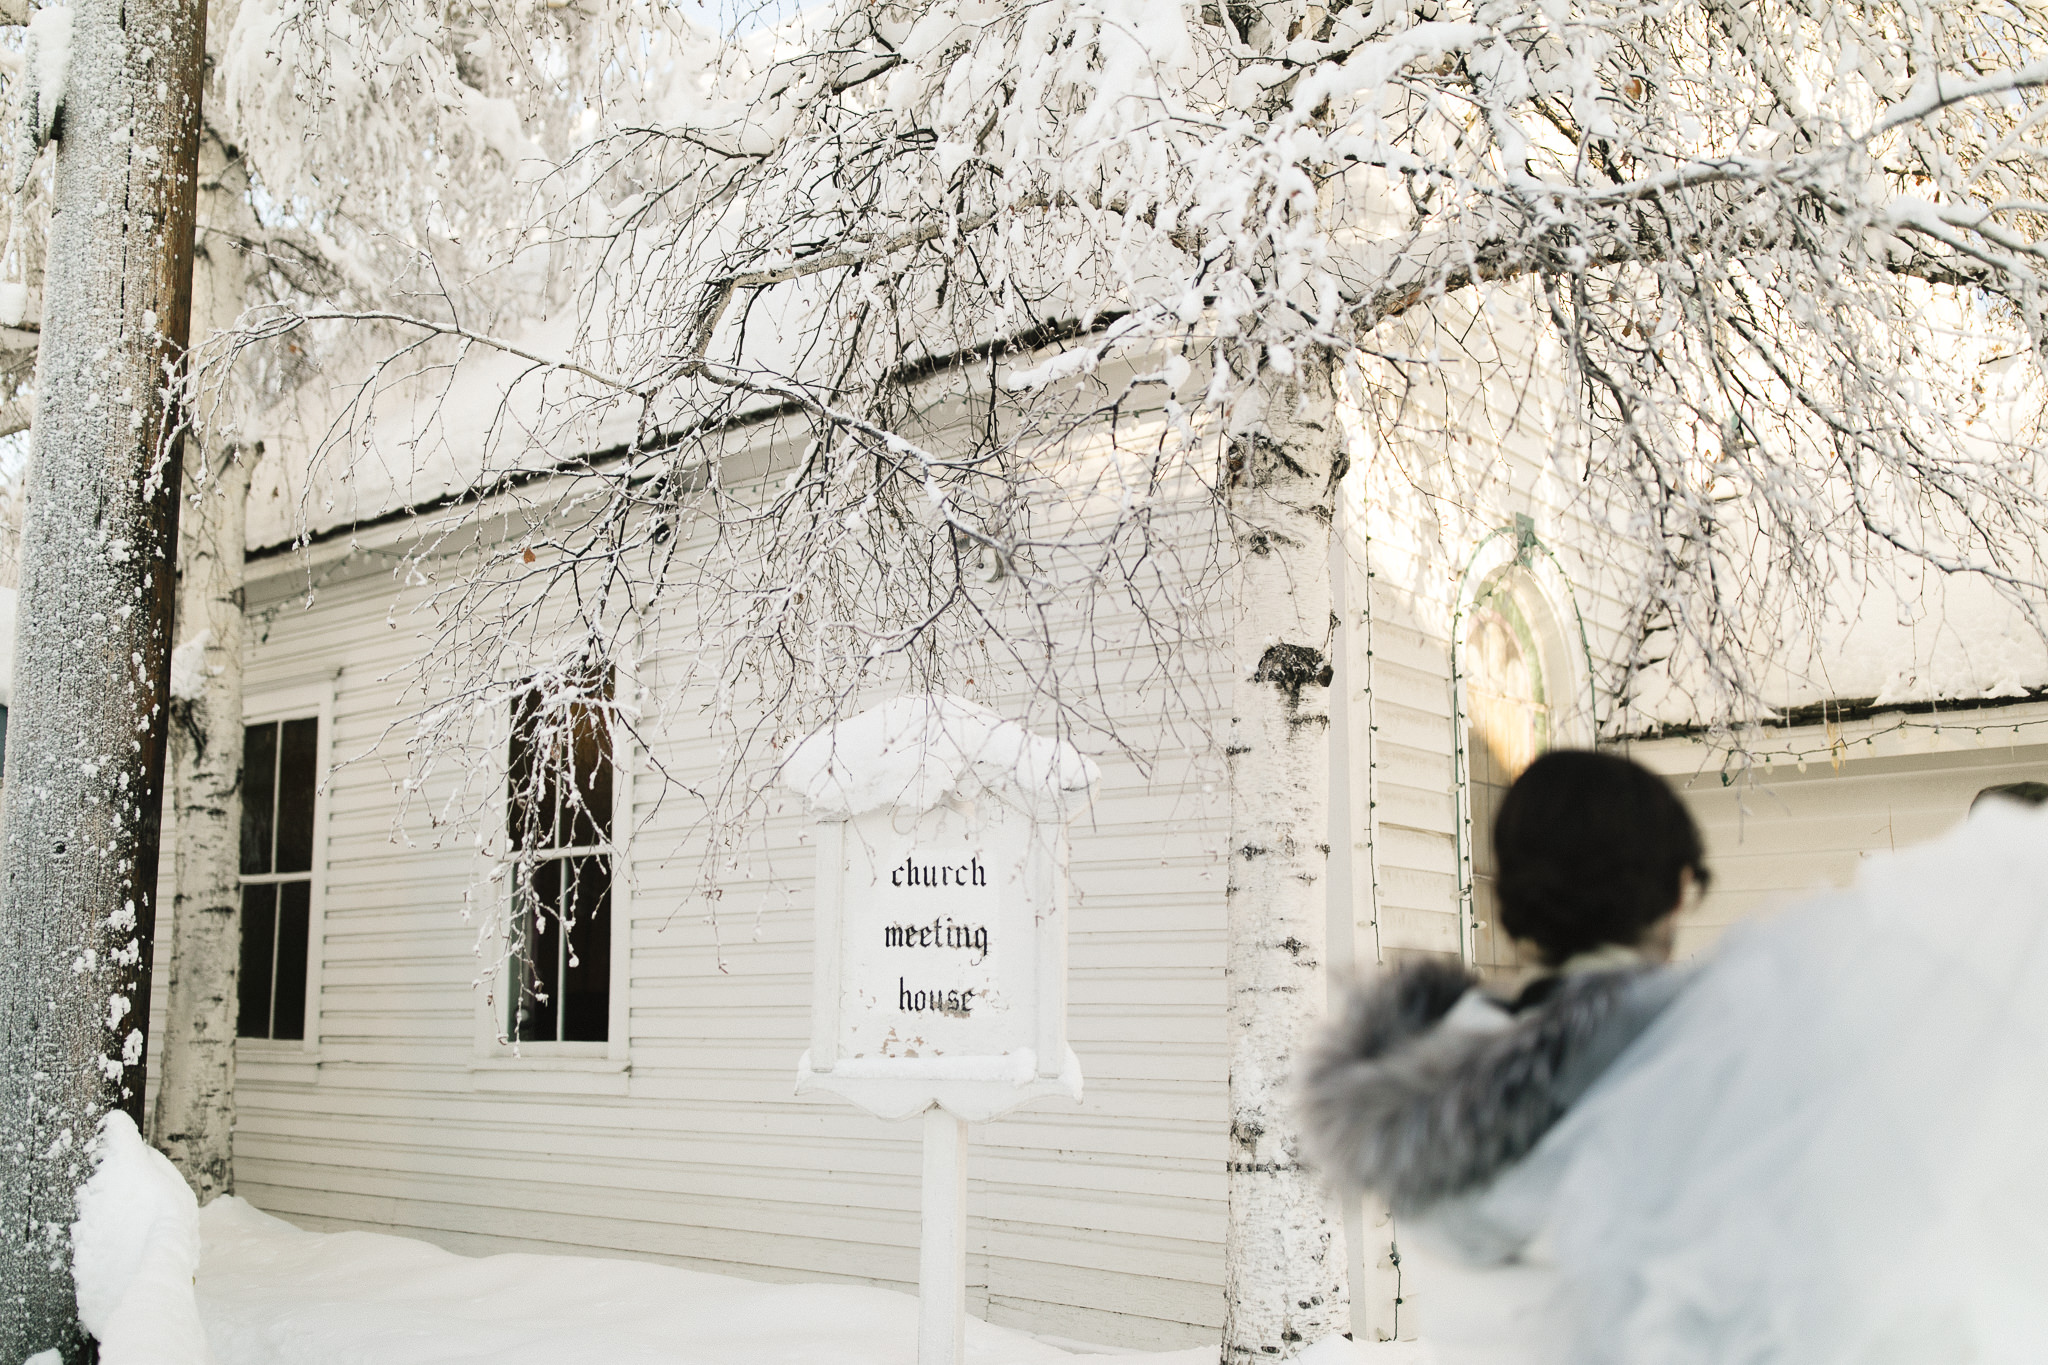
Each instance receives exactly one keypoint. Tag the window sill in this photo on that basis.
(551, 1074)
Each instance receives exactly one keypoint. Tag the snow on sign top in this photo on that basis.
(916, 752)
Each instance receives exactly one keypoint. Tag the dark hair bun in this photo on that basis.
(1592, 850)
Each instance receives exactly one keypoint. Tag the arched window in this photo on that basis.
(1520, 679)
(1507, 723)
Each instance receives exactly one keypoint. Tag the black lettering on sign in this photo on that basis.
(941, 1001)
(943, 932)
(915, 873)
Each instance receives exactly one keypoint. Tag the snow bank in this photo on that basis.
(274, 1295)
(916, 752)
(135, 1250)
(1338, 1351)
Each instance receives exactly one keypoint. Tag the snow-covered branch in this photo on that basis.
(1764, 249)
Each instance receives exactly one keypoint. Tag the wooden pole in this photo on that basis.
(86, 739)
(942, 1250)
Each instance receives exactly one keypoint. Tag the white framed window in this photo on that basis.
(1521, 681)
(561, 997)
(1507, 724)
(285, 744)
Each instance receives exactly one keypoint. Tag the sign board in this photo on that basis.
(940, 966)
(939, 974)
(939, 981)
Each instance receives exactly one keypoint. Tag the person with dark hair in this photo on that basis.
(2022, 793)
(1822, 1144)
(1595, 854)
(1428, 1087)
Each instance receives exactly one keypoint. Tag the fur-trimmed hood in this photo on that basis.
(1401, 1101)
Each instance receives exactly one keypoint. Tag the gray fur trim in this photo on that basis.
(1394, 1104)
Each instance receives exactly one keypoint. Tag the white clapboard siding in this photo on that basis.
(1102, 1220)
(1477, 457)
(1776, 835)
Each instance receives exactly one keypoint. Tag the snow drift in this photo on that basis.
(135, 1251)
(274, 1295)
(269, 1293)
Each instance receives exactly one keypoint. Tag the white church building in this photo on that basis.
(648, 1109)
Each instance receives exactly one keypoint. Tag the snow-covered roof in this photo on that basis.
(1911, 634)
(333, 460)
(337, 456)
(1959, 640)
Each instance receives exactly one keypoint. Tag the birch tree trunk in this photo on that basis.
(195, 1094)
(92, 643)
(1283, 1255)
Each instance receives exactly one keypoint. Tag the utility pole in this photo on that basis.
(87, 729)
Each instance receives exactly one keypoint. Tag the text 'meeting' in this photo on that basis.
(940, 933)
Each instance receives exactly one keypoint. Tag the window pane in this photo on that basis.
(1506, 727)
(259, 796)
(590, 815)
(296, 778)
(530, 796)
(559, 773)
(537, 958)
(259, 940)
(288, 1013)
(518, 771)
(587, 981)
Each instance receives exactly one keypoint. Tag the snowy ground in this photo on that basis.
(271, 1294)
(161, 1282)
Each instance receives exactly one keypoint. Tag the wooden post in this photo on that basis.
(986, 857)
(90, 713)
(942, 1250)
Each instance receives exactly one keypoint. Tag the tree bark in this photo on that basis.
(92, 644)
(1283, 1260)
(195, 1093)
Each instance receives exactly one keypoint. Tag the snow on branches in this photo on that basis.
(1007, 279)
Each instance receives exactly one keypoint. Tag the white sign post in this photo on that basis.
(940, 963)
